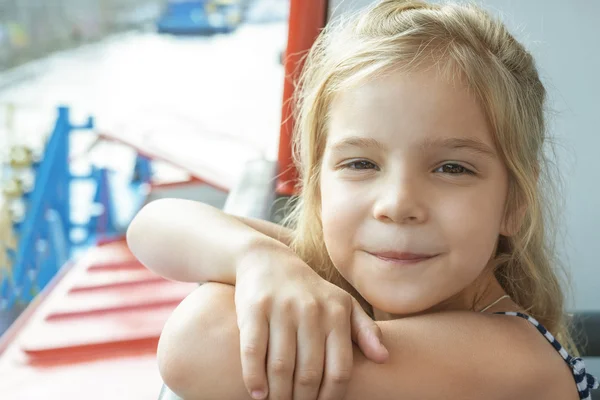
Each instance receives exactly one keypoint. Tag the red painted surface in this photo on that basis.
(307, 18)
(92, 334)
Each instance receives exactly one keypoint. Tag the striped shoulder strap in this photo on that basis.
(585, 382)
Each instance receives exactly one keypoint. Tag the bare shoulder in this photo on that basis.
(468, 356)
(550, 376)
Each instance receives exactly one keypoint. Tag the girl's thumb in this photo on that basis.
(367, 335)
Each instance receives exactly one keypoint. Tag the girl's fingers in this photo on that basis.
(281, 357)
(367, 335)
(338, 363)
(254, 338)
(310, 357)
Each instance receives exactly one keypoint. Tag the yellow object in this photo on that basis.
(21, 157)
(7, 239)
(13, 189)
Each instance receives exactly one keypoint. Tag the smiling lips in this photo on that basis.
(402, 258)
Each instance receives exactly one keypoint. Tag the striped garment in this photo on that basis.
(585, 382)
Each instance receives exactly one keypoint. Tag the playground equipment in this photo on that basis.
(75, 296)
(102, 310)
(38, 234)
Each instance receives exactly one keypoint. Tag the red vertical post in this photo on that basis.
(307, 18)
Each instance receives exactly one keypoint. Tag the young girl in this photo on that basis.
(420, 144)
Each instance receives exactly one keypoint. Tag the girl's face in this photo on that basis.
(412, 192)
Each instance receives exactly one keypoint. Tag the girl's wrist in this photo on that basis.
(257, 251)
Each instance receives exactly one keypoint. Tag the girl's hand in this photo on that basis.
(296, 329)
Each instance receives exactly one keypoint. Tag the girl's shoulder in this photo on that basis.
(476, 355)
(568, 370)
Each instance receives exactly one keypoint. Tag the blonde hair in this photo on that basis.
(463, 41)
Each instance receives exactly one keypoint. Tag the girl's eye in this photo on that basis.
(360, 165)
(454, 169)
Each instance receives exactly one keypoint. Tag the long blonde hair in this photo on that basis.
(465, 42)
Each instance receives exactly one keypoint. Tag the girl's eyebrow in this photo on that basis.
(452, 143)
(357, 141)
(474, 145)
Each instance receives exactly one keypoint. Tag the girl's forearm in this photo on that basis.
(193, 242)
(199, 356)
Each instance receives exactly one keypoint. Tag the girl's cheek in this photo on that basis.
(472, 228)
(340, 216)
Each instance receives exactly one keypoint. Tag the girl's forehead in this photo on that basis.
(400, 89)
(416, 105)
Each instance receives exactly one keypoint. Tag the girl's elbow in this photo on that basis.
(194, 351)
(175, 364)
(172, 369)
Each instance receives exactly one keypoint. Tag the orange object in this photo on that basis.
(92, 333)
(307, 18)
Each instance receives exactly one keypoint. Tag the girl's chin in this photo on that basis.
(392, 306)
(384, 311)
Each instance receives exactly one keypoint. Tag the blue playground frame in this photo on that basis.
(44, 238)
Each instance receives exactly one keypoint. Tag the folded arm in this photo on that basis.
(457, 355)
(190, 241)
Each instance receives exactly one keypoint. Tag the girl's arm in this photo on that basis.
(279, 298)
(456, 355)
(193, 242)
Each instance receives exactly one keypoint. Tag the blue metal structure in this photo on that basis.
(200, 16)
(142, 171)
(102, 220)
(44, 236)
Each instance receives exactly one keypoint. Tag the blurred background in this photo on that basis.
(127, 60)
(32, 29)
(106, 105)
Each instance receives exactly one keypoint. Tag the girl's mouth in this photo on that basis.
(403, 258)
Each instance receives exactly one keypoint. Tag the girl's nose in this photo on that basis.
(401, 202)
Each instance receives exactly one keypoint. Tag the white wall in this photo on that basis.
(564, 38)
(339, 6)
